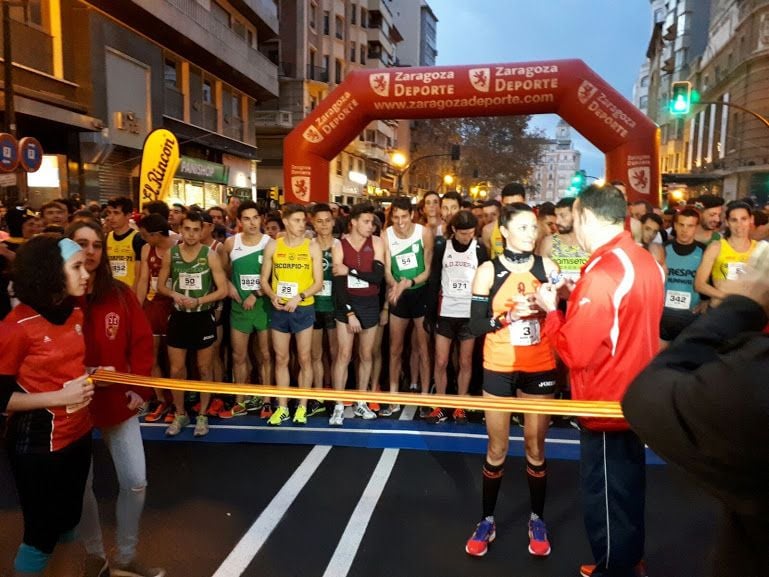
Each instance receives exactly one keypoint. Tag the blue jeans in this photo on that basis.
(124, 443)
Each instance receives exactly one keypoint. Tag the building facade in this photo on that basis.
(195, 67)
(551, 177)
(321, 41)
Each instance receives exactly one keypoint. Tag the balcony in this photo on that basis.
(273, 119)
(233, 127)
(199, 36)
(265, 10)
(210, 117)
(174, 103)
(32, 47)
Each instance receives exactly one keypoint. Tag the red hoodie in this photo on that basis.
(117, 334)
(611, 330)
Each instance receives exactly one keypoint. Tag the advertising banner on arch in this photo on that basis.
(568, 88)
(160, 159)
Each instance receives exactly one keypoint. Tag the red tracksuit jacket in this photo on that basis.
(611, 330)
(117, 334)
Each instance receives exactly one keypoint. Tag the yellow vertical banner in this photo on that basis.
(160, 159)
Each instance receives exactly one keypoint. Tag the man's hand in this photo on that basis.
(754, 285)
(134, 400)
(291, 305)
(249, 302)
(353, 325)
(547, 297)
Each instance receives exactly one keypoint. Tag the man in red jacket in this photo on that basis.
(610, 333)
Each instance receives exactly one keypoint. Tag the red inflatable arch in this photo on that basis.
(568, 88)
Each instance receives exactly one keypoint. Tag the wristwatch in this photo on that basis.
(302, 296)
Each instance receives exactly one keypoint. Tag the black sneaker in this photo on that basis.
(315, 408)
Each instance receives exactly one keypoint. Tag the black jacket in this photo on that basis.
(703, 405)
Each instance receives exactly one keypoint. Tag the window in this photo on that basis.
(643, 102)
(362, 54)
(644, 82)
(339, 165)
(338, 72)
(326, 63)
(207, 92)
(326, 22)
(32, 14)
(352, 51)
(170, 74)
(339, 27)
(363, 17)
(220, 14)
(353, 14)
(251, 38)
(313, 15)
(235, 100)
(313, 102)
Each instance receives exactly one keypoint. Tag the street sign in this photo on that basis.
(30, 154)
(9, 152)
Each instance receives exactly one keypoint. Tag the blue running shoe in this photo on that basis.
(485, 533)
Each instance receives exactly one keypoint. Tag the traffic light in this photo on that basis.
(577, 183)
(455, 150)
(680, 98)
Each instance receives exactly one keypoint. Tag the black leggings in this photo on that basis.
(50, 488)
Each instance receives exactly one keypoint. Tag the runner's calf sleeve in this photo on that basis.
(30, 560)
(492, 480)
(536, 475)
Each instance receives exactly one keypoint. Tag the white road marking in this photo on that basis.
(348, 545)
(244, 552)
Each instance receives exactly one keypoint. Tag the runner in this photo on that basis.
(44, 387)
(562, 247)
(192, 269)
(448, 307)
(124, 244)
(292, 273)
(409, 251)
(492, 238)
(250, 313)
(358, 272)
(324, 329)
(518, 361)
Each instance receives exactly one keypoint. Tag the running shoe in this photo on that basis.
(459, 416)
(436, 416)
(134, 569)
(95, 566)
(588, 570)
(169, 418)
(362, 411)
(158, 413)
(300, 415)
(390, 410)
(424, 412)
(215, 407)
(201, 426)
(315, 408)
(237, 410)
(485, 533)
(539, 544)
(143, 410)
(253, 404)
(266, 411)
(374, 407)
(337, 418)
(279, 416)
(179, 422)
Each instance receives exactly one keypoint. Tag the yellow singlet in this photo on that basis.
(730, 264)
(122, 258)
(292, 270)
(497, 242)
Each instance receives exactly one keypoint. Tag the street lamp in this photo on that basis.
(448, 180)
(398, 159)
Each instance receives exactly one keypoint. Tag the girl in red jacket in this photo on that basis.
(117, 335)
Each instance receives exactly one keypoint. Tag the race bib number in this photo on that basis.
(734, 270)
(250, 282)
(458, 288)
(287, 290)
(524, 332)
(406, 261)
(354, 282)
(119, 268)
(678, 300)
(191, 281)
(326, 290)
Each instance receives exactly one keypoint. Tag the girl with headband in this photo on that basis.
(45, 389)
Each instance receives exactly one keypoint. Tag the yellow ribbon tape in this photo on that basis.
(605, 409)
